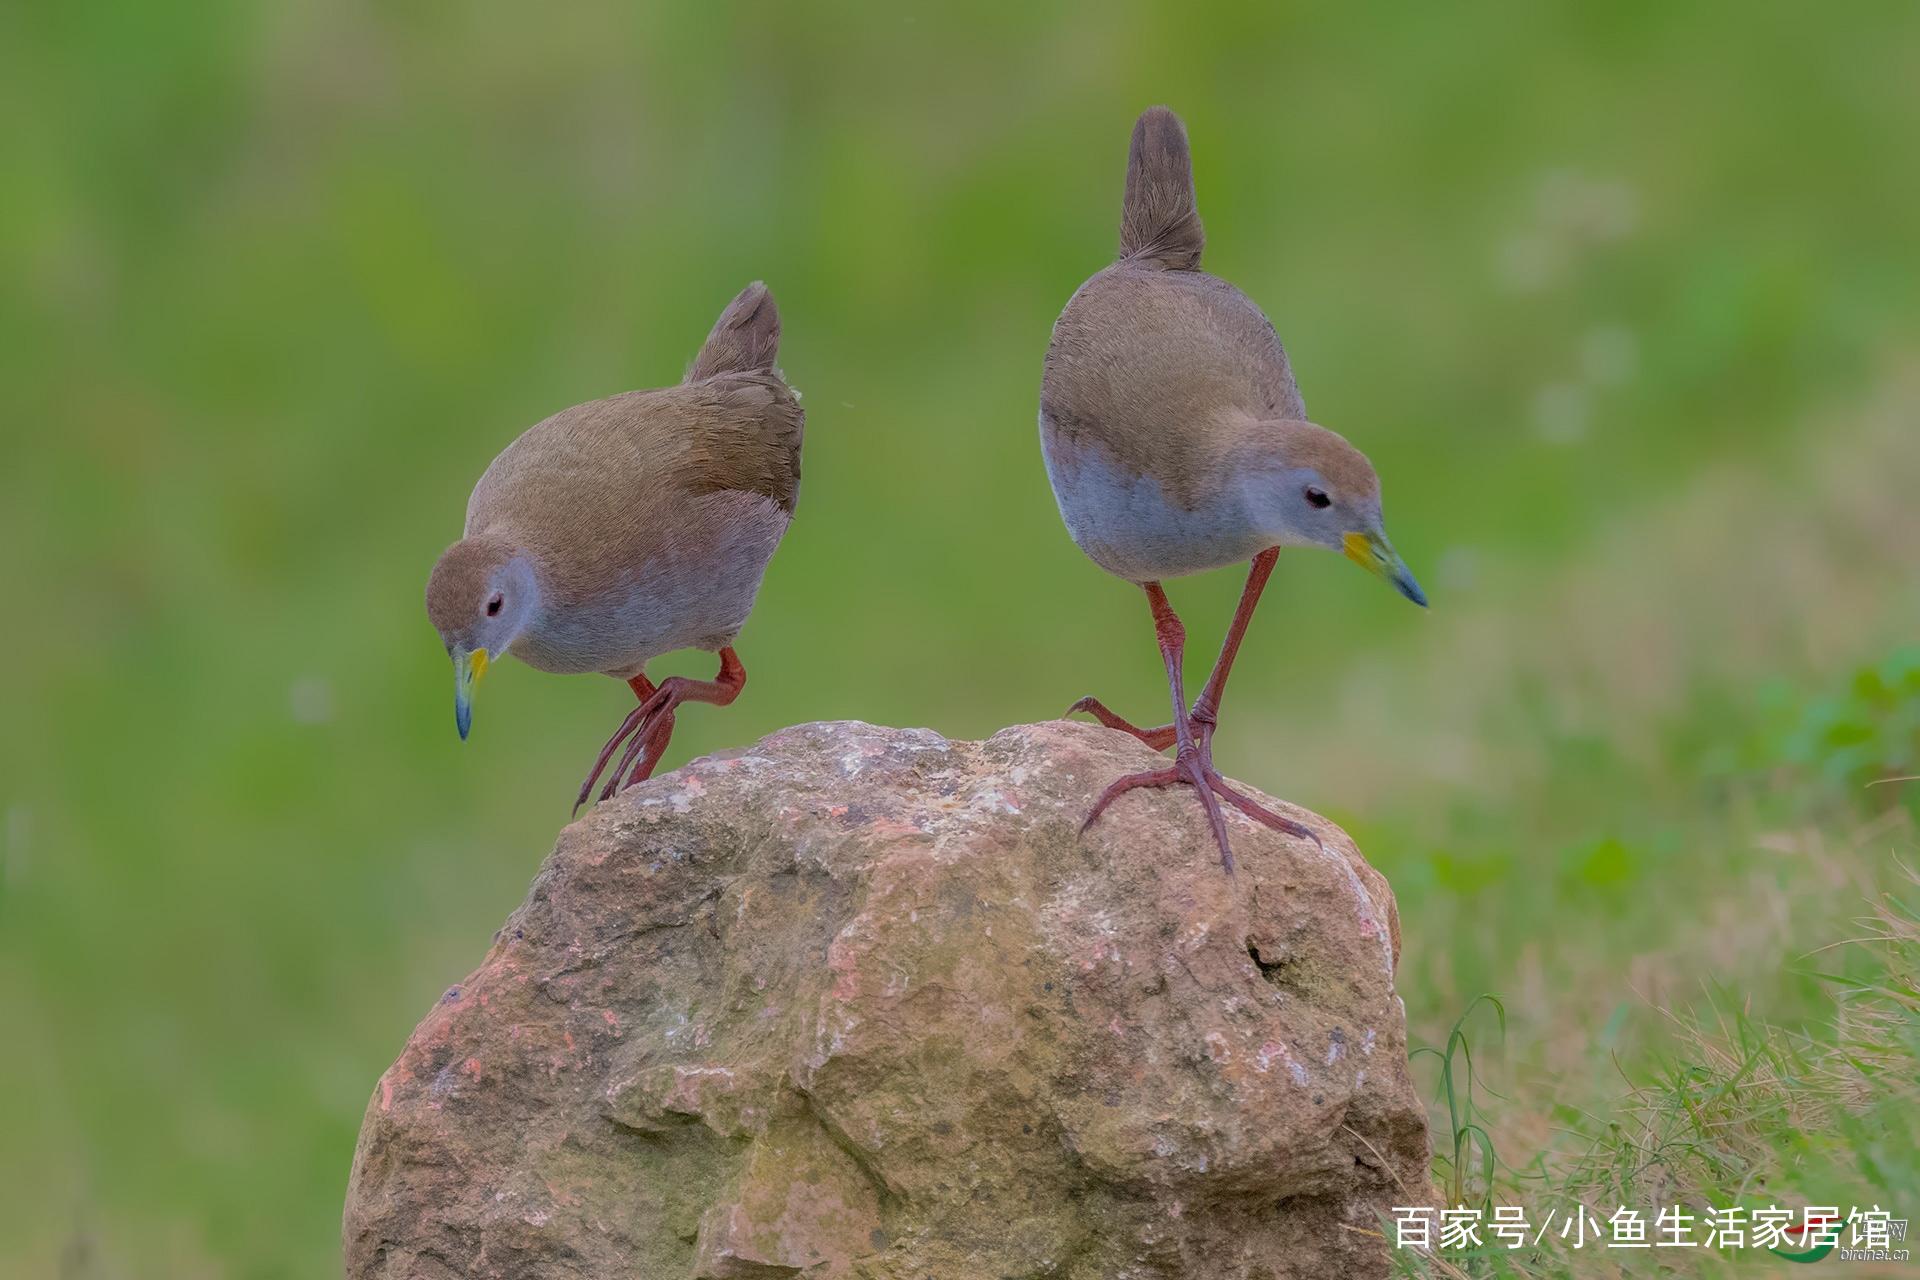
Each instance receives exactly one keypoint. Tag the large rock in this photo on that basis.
(862, 1002)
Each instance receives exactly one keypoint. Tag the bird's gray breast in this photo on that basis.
(1127, 524)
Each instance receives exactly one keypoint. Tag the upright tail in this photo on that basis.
(1160, 223)
(745, 338)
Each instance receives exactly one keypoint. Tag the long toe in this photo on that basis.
(1198, 776)
(644, 751)
(619, 775)
(1132, 781)
(1159, 739)
(1259, 812)
(658, 734)
(627, 726)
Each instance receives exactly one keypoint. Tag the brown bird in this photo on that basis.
(1176, 442)
(625, 528)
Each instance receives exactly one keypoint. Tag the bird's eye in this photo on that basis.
(1317, 497)
(493, 605)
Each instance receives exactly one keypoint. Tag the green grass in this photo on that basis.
(1464, 1160)
(1619, 298)
(1748, 1031)
(1721, 1109)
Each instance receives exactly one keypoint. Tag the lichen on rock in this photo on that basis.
(862, 1002)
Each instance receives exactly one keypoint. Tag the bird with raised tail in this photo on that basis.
(1176, 442)
(626, 528)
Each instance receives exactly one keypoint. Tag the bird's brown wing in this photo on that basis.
(740, 423)
(741, 433)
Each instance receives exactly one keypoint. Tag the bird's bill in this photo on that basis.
(468, 667)
(1372, 552)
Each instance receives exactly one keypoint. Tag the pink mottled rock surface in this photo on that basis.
(861, 1002)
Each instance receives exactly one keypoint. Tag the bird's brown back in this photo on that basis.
(1167, 372)
(594, 491)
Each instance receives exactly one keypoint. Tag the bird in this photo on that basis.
(1176, 442)
(626, 528)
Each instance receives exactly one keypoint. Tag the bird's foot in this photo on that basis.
(648, 726)
(1194, 768)
(627, 726)
(643, 751)
(645, 734)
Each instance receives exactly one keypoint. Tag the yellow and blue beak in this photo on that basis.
(468, 667)
(1372, 552)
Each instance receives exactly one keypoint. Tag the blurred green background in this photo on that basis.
(1621, 300)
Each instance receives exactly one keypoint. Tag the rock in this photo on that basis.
(861, 1002)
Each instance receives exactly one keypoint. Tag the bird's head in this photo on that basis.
(1308, 487)
(480, 597)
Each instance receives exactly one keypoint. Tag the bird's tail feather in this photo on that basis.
(1160, 222)
(745, 338)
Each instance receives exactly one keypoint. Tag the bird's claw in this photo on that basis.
(648, 726)
(646, 729)
(647, 746)
(1159, 738)
(1195, 769)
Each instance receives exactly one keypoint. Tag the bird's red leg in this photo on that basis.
(1193, 731)
(643, 689)
(1206, 708)
(1188, 766)
(656, 712)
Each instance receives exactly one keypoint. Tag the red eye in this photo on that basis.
(1317, 497)
(493, 605)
